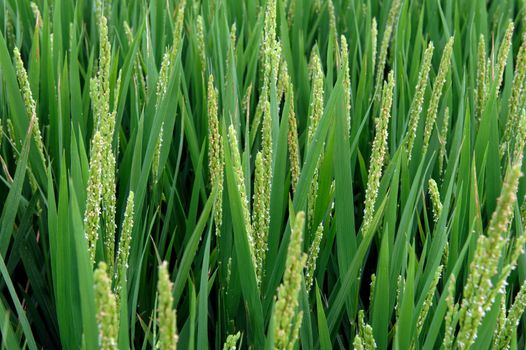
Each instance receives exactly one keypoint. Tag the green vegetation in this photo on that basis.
(266, 174)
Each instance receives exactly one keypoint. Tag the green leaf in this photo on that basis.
(324, 334)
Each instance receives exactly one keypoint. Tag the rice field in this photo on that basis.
(262, 174)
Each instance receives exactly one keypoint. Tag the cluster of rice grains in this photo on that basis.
(110, 277)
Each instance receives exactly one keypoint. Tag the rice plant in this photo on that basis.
(265, 174)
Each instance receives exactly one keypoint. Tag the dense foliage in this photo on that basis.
(262, 174)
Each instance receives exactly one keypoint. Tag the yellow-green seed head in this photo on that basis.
(374, 40)
(266, 140)
(169, 57)
(266, 152)
(366, 332)
(296, 325)
(358, 342)
(283, 81)
(512, 320)
(216, 159)
(332, 24)
(10, 30)
(240, 182)
(312, 196)
(291, 12)
(165, 310)
(443, 141)
(117, 91)
(428, 301)
(94, 195)
(164, 76)
(372, 288)
(286, 315)
(294, 153)
(503, 213)
(259, 215)
(452, 310)
(157, 155)
(100, 91)
(137, 72)
(399, 287)
(481, 90)
(231, 341)
(246, 101)
(516, 250)
(516, 99)
(109, 204)
(107, 6)
(178, 30)
(105, 125)
(233, 37)
(346, 80)
(316, 6)
(123, 251)
(382, 56)
(285, 85)
(271, 50)
(418, 100)
(201, 47)
(434, 194)
(378, 154)
(99, 10)
(503, 54)
(501, 320)
(312, 257)
(29, 103)
(128, 32)
(480, 292)
(107, 315)
(520, 139)
(36, 13)
(440, 80)
(317, 96)
(102, 9)
(257, 116)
